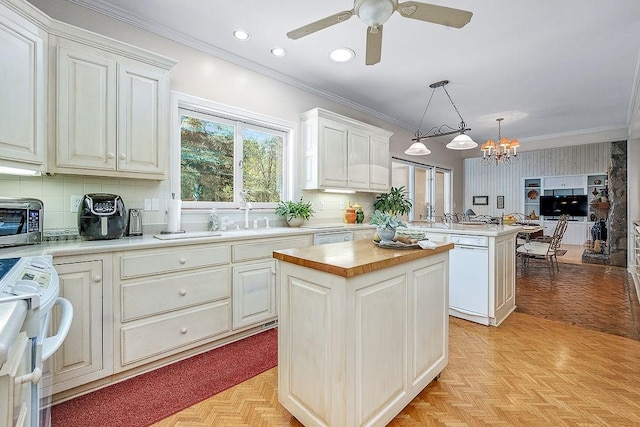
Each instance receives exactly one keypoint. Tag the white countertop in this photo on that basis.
(490, 230)
(78, 247)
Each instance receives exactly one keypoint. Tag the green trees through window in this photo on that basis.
(219, 158)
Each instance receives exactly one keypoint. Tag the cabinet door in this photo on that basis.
(254, 293)
(332, 152)
(22, 91)
(80, 359)
(575, 234)
(86, 108)
(358, 160)
(142, 120)
(379, 164)
(569, 181)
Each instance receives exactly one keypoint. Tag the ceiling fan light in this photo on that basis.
(375, 12)
(342, 54)
(417, 149)
(462, 142)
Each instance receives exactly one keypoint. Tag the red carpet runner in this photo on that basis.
(150, 397)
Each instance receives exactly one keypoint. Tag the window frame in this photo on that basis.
(431, 170)
(239, 118)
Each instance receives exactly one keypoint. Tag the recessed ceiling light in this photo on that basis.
(342, 54)
(278, 51)
(241, 34)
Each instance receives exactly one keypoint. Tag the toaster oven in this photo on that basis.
(21, 221)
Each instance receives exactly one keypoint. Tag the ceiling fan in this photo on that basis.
(375, 13)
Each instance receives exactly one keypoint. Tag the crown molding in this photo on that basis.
(111, 11)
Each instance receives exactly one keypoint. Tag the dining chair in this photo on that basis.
(544, 249)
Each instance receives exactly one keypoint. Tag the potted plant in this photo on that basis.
(295, 213)
(387, 224)
(395, 201)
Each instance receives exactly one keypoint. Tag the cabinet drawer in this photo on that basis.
(265, 248)
(173, 293)
(134, 264)
(160, 335)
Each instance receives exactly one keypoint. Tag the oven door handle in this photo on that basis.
(53, 343)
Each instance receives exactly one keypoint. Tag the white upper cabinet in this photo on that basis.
(342, 153)
(111, 113)
(559, 182)
(23, 106)
(85, 109)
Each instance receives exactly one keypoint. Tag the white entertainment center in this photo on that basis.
(578, 229)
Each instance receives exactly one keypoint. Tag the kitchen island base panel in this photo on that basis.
(355, 351)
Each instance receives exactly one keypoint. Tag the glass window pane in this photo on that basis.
(206, 160)
(262, 165)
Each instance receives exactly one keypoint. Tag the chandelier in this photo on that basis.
(460, 142)
(504, 151)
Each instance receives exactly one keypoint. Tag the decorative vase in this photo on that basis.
(386, 234)
(359, 216)
(295, 222)
(350, 216)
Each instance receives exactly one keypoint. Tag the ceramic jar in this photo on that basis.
(350, 215)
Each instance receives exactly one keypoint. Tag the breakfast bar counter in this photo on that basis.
(362, 330)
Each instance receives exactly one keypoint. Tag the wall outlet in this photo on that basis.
(75, 203)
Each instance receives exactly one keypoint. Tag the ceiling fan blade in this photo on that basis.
(442, 15)
(305, 30)
(374, 45)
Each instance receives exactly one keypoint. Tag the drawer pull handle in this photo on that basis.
(97, 278)
(273, 272)
(122, 157)
(110, 155)
(183, 292)
(183, 261)
(183, 331)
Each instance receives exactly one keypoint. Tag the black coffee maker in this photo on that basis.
(101, 216)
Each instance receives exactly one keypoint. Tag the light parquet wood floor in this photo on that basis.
(550, 365)
(527, 372)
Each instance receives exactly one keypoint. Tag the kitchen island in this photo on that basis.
(482, 269)
(362, 330)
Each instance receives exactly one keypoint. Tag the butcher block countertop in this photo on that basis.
(349, 259)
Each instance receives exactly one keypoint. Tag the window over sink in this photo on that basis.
(220, 152)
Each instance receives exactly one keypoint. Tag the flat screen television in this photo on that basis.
(576, 205)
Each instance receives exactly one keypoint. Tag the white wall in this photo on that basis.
(204, 75)
(507, 180)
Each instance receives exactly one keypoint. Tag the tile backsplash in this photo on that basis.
(57, 191)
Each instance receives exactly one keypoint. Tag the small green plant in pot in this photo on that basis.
(295, 213)
(395, 201)
(387, 224)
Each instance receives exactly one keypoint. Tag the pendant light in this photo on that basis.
(460, 142)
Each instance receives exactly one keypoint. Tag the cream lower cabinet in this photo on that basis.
(170, 300)
(112, 113)
(254, 291)
(502, 275)
(23, 108)
(16, 401)
(254, 279)
(85, 355)
(355, 351)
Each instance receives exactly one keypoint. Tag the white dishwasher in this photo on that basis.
(469, 278)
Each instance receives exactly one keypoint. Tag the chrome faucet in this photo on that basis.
(224, 223)
(256, 222)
